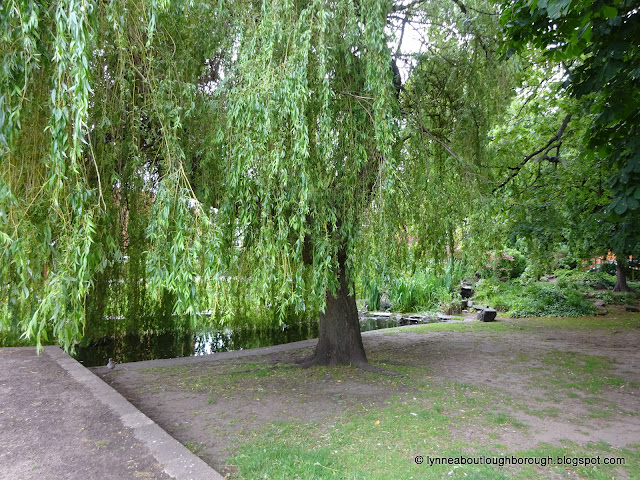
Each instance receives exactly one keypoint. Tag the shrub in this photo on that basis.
(606, 296)
(624, 298)
(508, 264)
(536, 299)
(585, 279)
(548, 300)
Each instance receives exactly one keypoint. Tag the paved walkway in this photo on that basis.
(60, 421)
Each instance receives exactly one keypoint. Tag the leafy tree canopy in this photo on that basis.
(196, 146)
(599, 45)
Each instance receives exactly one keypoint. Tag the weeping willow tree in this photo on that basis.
(196, 147)
(222, 142)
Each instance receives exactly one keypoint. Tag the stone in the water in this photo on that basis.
(487, 315)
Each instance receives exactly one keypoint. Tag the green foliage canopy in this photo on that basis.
(588, 197)
(194, 147)
(196, 140)
(599, 42)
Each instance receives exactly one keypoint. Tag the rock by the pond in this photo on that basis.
(631, 308)
(469, 303)
(410, 320)
(466, 291)
(602, 311)
(464, 304)
(598, 303)
(487, 315)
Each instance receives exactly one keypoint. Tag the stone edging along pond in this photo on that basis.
(175, 458)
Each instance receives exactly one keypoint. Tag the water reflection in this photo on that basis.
(128, 347)
(377, 323)
(111, 339)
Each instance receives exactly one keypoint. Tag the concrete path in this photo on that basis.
(60, 421)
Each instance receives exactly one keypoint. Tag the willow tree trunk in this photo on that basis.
(340, 341)
(621, 276)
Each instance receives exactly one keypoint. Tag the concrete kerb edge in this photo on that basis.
(177, 461)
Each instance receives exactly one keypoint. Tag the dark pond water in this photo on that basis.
(127, 347)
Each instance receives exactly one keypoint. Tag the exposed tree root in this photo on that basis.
(308, 359)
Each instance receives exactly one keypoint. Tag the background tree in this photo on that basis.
(598, 45)
(456, 86)
(549, 197)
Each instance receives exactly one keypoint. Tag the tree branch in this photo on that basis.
(402, 8)
(551, 144)
(463, 9)
(442, 144)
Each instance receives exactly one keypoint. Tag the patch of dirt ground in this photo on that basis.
(576, 384)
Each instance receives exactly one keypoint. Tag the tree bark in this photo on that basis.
(621, 276)
(340, 341)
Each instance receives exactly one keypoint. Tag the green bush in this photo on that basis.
(509, 263)
(585, 279)
(624, 298)
(605, 295)
(548, 300)
(537, 299)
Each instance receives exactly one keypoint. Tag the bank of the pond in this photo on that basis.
(514, 388)
(117, 338)
(136, 347)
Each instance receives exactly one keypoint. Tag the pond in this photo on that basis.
(129, 347)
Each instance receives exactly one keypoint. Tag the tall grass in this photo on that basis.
(422, 290)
